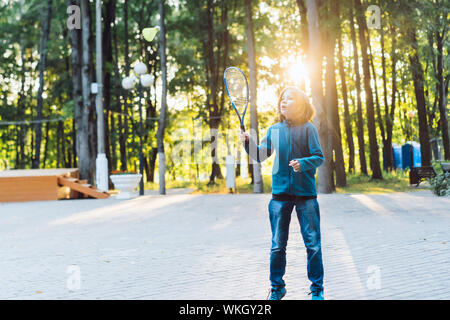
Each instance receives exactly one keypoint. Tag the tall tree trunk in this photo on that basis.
(304, 26)
(123, 154)
(42, 66)
(387, 147)
(325, 171)
(151, 175)
(347, 119)
(390, 113)
(258, 181)
(46, 140)
(332, 98)
(74, 142)
(373, 145)
(113, 141)
(109, 18)
(442, 89)
(238, 165)
(360, 122)
(81, 139)
(418, 80)
(17, 136)
(149, 128)
(84, 151)
(58, 144)
(377, 100)
(212, 81)
(21, 103)
(163, 113)
(63, 145)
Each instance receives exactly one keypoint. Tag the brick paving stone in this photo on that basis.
(183, 246)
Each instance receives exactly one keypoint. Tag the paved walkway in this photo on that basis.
(181, 246)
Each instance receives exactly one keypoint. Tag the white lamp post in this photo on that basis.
(145, 80)
(101, 163)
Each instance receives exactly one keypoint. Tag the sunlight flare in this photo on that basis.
(297, 71)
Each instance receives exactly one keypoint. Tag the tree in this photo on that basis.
(213, 65)
(258, 181)
(42, 67)
(84, 146)
(304, 26)
(125, 129)
(441, 38)
(417, 75)
(21, 102)
(325, 172)
(373, 145)
(416, 70)
(347, 119)
(360, 122)
(331, 97)
(109, 17)
(389, 111)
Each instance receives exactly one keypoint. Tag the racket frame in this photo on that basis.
(241, 118)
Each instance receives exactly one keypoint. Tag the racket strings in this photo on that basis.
(240, 100)
(237, 88)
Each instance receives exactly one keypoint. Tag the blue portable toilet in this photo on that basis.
(397, 154)
(406, 155)
(411, 155)
(417, 158)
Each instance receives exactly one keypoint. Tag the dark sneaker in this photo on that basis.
(317, 295)
(276, 293)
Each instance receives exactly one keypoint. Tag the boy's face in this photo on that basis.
(289, 105)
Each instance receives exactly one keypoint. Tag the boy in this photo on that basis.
(298, 154)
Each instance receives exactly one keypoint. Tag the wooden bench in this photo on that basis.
(417, 174)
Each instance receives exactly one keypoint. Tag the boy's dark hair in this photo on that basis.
(306, 110)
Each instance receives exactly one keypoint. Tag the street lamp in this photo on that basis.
(128, 83)
(101, 163)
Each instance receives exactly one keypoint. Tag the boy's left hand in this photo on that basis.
(295, 165)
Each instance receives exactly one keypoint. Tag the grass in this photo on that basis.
(396, 181)
(243, 185)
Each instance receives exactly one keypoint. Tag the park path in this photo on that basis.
(181, 246)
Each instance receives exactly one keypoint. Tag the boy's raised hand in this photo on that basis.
(295, 165)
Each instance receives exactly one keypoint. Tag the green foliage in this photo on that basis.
(441, 184)
(68, 110)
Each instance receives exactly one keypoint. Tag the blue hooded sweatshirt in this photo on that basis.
(290, 142)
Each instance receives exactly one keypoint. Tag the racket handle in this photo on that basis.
(242, 128)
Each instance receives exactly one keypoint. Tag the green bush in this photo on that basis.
(441, 184)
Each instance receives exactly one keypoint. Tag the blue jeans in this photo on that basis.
(308, 215)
